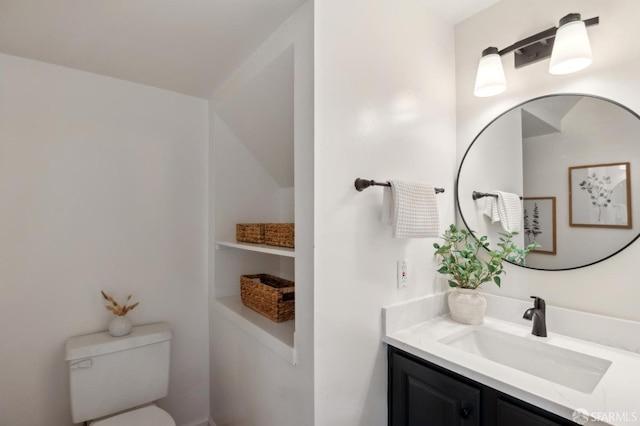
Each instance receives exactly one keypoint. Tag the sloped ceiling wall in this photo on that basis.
(188, 46)
(261, 116)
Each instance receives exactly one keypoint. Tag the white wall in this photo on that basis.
(610, 287)
(384, 109)
(102, 186)
(250, 384)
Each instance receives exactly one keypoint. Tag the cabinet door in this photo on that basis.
(421, 396)
(509, 414)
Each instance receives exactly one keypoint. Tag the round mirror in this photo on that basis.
(573, 161)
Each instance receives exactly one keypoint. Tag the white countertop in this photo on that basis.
(614, 401)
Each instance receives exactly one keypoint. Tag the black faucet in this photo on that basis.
(538, 315)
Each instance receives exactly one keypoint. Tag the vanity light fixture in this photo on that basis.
(571, 49)
(568, 46)
(490, 79)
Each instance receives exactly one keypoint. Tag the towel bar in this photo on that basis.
(362, 184)
(477, 195)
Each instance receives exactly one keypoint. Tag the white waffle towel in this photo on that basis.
(506, 208)
(412, 209)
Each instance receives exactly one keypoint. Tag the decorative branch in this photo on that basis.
(115, 308)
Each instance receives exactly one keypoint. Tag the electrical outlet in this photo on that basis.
(403, 273)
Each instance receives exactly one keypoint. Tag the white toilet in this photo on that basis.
(114, 380)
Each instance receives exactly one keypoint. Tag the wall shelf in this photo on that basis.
(277, 336)
(261, 248)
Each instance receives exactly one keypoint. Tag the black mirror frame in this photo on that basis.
(457, 192)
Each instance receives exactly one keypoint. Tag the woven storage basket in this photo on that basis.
(279, 234)
(268, 295)
(250, 232)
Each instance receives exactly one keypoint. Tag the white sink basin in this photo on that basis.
(563, 366)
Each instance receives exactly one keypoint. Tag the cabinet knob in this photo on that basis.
(466, 412)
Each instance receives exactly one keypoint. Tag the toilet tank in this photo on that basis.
(111, 374)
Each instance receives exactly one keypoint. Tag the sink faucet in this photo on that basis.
(537, 314)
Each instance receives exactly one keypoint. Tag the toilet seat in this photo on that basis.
(151, 415)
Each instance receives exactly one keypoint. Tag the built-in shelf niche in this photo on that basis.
(253, 180)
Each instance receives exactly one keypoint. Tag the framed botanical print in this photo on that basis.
(540, 223)
(600, 195)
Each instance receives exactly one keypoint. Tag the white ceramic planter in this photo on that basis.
(120, 325)
(467, 306)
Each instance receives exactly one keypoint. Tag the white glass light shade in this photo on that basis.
(571, 49)
(490, 78)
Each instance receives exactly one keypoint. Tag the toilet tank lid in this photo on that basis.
(95, 344)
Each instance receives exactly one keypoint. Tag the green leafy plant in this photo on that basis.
(466, 267)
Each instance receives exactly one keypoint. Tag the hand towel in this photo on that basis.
(506, 208)
(412, 209)
(491, 207)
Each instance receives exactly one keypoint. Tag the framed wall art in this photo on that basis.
(600, 195)
(539, 217)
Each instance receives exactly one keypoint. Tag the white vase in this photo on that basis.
(120, 325)
(467, 306)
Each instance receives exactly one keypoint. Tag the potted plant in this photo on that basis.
(468, 265)
(120, 324)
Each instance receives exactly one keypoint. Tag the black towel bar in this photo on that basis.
(477, 195)
(362, 184)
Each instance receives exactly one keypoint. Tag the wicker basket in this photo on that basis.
(250, 232)
(279, 234)
(268, 295)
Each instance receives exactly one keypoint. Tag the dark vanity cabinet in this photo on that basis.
(424, 394)
(419, 395)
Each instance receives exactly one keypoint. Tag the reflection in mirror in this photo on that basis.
(534, 150)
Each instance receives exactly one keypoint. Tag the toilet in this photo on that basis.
(114, 381)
